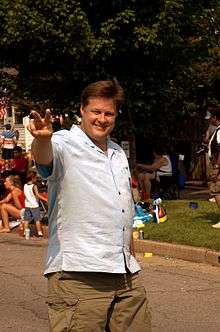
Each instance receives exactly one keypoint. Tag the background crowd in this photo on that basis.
(18, 206)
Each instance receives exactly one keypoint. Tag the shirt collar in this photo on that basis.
(110, 144)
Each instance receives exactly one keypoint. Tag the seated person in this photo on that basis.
(19, 163)
(13, 203)
(146, 173)
(135, 185)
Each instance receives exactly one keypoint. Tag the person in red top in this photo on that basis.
(13, 203)
(19, 164)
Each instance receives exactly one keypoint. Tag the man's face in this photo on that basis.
(98, 118)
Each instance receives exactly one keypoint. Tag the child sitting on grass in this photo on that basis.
(32, 207)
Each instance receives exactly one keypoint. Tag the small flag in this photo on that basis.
(3, 107)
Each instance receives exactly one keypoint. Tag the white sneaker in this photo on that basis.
(216, 225)
(212, 199)
(13, 224)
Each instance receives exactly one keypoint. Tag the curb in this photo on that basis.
(188, 253)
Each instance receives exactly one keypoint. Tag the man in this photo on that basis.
(214, 155)
(93, 282)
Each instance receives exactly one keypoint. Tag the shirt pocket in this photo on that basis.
(122, 179)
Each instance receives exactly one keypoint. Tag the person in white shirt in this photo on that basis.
(93, 280)
(32, 207)
(146, 173)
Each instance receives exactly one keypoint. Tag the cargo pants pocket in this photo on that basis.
(62, 313)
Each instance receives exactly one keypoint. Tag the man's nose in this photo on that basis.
(101, 117)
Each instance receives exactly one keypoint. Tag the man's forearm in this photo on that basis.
(42, 151)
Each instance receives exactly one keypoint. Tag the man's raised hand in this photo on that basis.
(40, 127)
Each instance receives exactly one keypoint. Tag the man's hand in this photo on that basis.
(40, 127)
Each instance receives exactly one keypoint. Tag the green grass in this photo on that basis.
(187, 226)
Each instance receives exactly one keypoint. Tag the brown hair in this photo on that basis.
(15, 181)
(31, 175)
(104, 89)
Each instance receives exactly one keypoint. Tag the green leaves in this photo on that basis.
(161, 52)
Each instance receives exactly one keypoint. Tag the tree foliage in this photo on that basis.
(166, 53)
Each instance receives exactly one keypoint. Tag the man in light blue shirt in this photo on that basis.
(92, 274)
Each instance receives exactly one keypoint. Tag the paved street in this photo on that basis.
(183, 296)
(22, 287)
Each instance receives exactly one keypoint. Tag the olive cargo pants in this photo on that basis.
(97, 302)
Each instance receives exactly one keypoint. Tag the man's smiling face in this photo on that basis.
(98, 118)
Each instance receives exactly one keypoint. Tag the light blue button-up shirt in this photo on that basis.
(90, 206)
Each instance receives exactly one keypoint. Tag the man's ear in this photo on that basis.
(81, 110)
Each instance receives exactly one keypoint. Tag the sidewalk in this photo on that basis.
(188, 253)
(184, 252)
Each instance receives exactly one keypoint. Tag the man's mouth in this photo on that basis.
(100, 127)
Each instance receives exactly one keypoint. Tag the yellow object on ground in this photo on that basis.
(148, 254)
(135, 235)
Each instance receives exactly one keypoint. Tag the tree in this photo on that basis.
(164, 52)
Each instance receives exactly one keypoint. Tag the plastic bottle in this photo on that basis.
(27, 233)
(141, 234)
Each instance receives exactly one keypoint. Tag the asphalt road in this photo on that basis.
(183, 296)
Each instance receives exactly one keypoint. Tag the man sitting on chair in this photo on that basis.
(160, 167)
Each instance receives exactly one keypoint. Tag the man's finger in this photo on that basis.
(47, 118)
(36, 116)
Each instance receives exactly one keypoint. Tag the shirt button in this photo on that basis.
(119, 193)
(122, 210)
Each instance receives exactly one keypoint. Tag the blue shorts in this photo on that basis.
(7, 154)
(32, 214)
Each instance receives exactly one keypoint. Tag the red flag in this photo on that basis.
(3, 107)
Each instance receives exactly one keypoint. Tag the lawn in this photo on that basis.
(187, 226)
